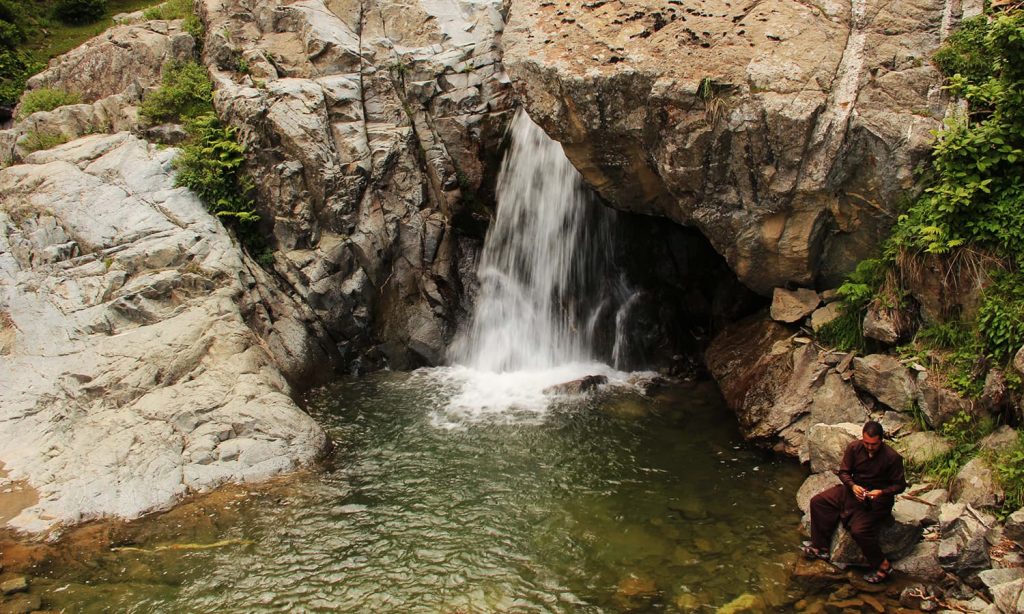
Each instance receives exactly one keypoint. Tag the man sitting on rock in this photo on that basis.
(872, 475)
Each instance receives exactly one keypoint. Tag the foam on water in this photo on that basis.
(474, 396)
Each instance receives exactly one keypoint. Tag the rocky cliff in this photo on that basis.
(784, 131)
(373, 129)
(130, 377)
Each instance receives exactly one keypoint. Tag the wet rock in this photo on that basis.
(897, 539)
(578, 386)
(14, 585)
(963, 545)
(885, 378)
(814, 484)
(920, 448)
(922, 562)
(825, 315)
(1014, 527)
(21, 604)
(635, 592)
(791, 306)
(976, 485)
(744, 604)
(826, 444)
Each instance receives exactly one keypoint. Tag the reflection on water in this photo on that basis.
(620, 503)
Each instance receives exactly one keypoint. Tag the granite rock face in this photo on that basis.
(130, 377)
(783, 131)
(372, 128)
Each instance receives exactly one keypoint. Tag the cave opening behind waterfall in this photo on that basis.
(564, 278)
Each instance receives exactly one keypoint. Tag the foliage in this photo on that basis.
(1009, 469)
(186, 92)
(963, 431)
(978, 160)
(210, 164)
(965, 53)
(861, 287)
(46, 99)
(36, 140)
(1001, 316)
(172, 9)
(79, 11)
(15, 69)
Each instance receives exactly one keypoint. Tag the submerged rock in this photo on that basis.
(132, 379)
(578, 386)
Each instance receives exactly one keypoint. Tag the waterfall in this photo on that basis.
(545, 264)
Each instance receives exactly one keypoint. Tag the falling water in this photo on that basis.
(543, 266)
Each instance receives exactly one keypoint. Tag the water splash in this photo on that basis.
(544, 259)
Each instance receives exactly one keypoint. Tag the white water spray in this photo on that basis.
(547, 287)
(544, 253)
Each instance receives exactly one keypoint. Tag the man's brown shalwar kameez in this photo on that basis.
(883, 471)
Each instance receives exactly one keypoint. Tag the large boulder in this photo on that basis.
(132, 378)
(1013, 529)
(826, 444)
(976, 485)
(923, 447)
(777, 388)
(885, 378)
(937, 402)
(792, 306)
(922, 562)
(814, 484)
(372, 132)
(1009, 596)
(785, 132)
(896, 537)
(964, 533)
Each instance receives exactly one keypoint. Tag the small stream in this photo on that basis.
(607, 503)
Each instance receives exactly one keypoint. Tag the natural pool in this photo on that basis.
(612, 502)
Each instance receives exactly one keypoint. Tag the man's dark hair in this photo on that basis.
(873, 429)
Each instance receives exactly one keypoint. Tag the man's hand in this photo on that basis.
(872, 494)
(859, 492)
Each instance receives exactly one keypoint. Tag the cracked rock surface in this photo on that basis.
(129, 377)
(372, 130)
(784, 131)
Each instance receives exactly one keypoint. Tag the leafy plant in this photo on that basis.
(15, 69)
(79, 11)
(965, 53)
(1009, 469)
(172, 9)
(38, 140)
(46, 99)
(186, 92)
(210, 164)
(1001, 316)
(964, 431)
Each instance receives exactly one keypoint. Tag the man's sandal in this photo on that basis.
(879, 575)
(811, 553)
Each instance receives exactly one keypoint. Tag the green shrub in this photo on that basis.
(1001, 316)
(1009, 469)
(194, 26)
(12, 16)
(15, 69)
(172, 9)
(965, 53)
(79, 11)
(186, 92)
(964, 431)
(210, 164)
(46, 99)
(39, 140)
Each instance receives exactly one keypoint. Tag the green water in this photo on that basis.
(618, 503)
